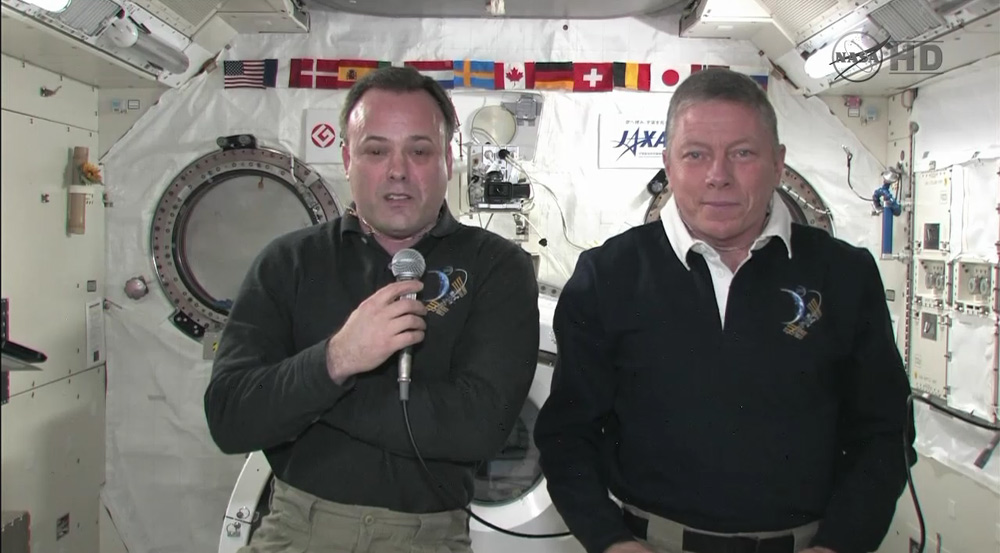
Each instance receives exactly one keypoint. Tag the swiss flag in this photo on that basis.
(313, 73)
(593, 77)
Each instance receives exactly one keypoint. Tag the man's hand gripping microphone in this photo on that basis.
(407, 264)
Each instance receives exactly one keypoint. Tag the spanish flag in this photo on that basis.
(352, 70)
(633, 76)
(556, 75)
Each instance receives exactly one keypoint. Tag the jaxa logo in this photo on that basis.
(808, 306)
(646, 137)
(452, 285)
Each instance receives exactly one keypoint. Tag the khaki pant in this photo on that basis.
(302, 523)
(667, 536)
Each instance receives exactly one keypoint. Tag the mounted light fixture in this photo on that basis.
(50, 5)
(123, 33)
(820, 63)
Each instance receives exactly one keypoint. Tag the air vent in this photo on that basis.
(906, 19)
(186, 16)
(88, 17)
(796, 15)
(194, 12)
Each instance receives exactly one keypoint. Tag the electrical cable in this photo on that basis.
(562, 216)
(906, 459)
(850, 156)
(906, 455)
(964, 417)
(543, 242)
(444, 493)
(909, 479)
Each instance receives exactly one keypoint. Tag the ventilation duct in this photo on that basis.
(88, 17)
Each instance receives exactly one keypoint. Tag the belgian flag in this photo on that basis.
(633, 76)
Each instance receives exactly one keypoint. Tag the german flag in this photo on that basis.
(557, 75)
(352, 70)
(633, 76)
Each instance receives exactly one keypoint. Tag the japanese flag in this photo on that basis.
(664, 77)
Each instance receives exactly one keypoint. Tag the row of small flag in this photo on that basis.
(489, 75)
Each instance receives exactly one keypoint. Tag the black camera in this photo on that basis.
(497, 191)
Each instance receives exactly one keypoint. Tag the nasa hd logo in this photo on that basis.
(858, 56)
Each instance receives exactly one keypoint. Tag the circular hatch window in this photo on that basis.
(218, 214)
(516, 470)
(803, 201)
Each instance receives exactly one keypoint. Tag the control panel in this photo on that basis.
(932, 214)
(929, 351)
(974, 282)
(953, 325)
(932, 283)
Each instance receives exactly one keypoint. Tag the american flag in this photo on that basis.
(250, 73)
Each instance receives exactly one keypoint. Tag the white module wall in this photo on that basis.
(954, 316)
(53, 425)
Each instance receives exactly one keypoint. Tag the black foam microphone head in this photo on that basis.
(408, 264)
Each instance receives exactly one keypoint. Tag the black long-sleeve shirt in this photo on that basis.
(270, 389)
(760, 425)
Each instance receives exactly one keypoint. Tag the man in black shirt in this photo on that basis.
(730, 377)
(306, 368)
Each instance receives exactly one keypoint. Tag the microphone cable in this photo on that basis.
(444, 493)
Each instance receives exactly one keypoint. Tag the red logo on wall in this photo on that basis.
(323, 135)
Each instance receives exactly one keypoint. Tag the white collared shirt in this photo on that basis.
(779, 224)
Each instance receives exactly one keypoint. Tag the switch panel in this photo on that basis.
(932, 283)
(974, 286)
(929, 351)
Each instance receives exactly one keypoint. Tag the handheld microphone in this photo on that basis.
(407, 264)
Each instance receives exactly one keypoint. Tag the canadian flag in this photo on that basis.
(518, 76)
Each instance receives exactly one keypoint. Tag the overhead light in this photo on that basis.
(125, 34)
(820, 63)
(50, 5)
